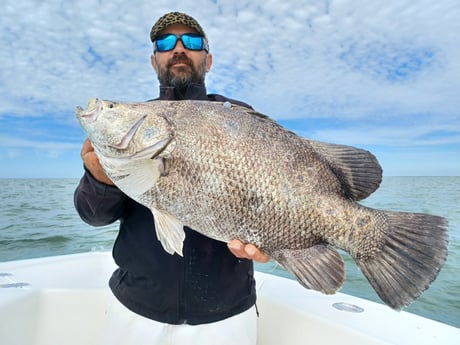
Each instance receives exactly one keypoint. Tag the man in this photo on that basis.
(206, 296)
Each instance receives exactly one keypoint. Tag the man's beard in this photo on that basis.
(183, 76)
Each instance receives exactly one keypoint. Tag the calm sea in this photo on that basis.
(37, 218)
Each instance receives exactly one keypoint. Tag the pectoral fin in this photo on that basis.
(319, 267)
(170, 231)
(138, 176)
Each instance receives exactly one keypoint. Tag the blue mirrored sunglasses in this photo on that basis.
(190, 41)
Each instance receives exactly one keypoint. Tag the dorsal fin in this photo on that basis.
(358, 170)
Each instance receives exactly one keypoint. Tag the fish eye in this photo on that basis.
(111, 105)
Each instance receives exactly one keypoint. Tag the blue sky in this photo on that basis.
(381, 75)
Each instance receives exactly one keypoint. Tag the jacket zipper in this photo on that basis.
(183, 283)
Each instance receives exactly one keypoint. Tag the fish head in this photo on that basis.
(125, 130)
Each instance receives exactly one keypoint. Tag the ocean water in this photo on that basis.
(37, 218)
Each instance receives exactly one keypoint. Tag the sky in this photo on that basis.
(382, 75)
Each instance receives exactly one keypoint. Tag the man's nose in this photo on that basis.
(179, 48)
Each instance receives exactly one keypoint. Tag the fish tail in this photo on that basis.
(413, 250)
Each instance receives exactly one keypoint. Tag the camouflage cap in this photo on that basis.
(175, 18)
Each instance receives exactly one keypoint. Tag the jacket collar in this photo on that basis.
(192, 91)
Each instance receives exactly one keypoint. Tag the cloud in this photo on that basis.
(374, 67)
(391, 136)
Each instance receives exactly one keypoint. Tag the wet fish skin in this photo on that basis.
(229, 172)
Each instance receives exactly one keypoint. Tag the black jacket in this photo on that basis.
(207, 284)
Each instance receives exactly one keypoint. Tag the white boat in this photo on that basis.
(63, 300)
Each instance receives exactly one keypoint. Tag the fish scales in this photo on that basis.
(200, 168)
(229, 172)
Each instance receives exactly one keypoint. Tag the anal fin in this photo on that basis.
(319, 267)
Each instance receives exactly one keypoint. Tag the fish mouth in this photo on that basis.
(92, 110)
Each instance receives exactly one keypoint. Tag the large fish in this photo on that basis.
(229, 172)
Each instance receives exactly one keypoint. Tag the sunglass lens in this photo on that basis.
(192, 42)
(166, 42)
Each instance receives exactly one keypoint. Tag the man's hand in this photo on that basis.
(92, 163)
(247, 251)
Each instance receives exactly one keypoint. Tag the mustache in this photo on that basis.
(180, 59)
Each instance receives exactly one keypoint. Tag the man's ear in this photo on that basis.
(208, 62)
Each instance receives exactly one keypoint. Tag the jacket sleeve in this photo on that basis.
(97, 203)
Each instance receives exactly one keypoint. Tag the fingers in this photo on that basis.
(247, 251)
(92, 163)
(87, 147)
(255, 253)
(237, 248)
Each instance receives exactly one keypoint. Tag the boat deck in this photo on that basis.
(63, 300)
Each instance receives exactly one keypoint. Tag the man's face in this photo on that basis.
(180, 66)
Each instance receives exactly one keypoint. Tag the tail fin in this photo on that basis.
(414, 250)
